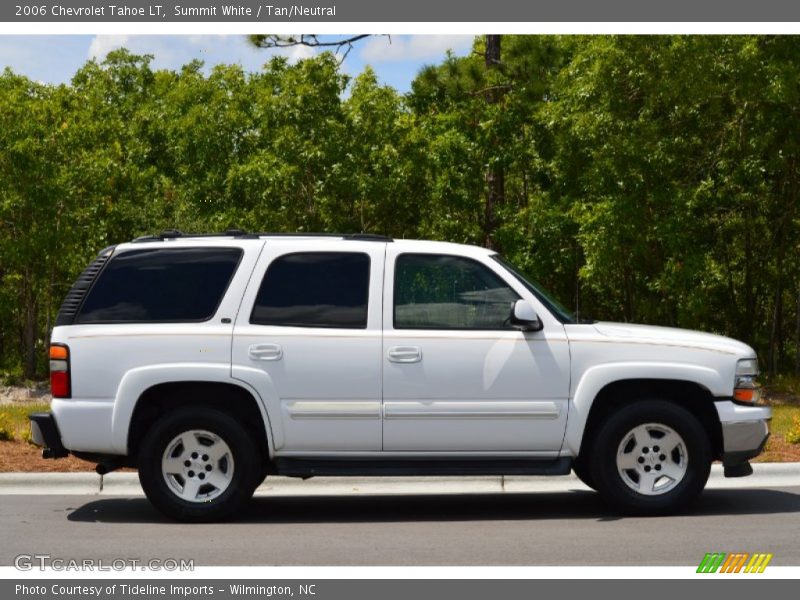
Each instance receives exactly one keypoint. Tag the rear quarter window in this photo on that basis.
(161, 285)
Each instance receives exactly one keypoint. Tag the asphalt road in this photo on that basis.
(546, 528)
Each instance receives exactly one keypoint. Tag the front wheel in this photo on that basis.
(650, 457)
(199, 464)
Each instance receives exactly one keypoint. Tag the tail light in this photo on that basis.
(60, 384)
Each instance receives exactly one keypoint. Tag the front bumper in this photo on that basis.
(44, 432)
(745, 432)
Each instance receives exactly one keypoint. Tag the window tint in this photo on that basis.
(155, 285)
(315, 289)
(449, 292)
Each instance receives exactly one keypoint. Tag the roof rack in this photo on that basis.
(171, 234)
(368, 237)
(363, 237)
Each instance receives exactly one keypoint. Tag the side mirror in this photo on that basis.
(523, 317)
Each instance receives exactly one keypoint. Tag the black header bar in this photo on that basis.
(443, 11)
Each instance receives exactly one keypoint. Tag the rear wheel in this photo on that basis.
(650, 457)
(199, 464)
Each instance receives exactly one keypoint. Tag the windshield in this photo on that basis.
(554, 306)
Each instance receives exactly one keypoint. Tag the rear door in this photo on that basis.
(311, 322)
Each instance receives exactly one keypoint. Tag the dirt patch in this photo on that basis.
(779, 450)
(22, 457)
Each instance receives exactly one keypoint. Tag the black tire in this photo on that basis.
(581, 470)
(246, 465)
(693, 458)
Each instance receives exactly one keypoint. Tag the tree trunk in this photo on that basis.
(3, 331)
(797, 335)
(495, 174)
(493, 43)
(29, 333)
(746, 324)
(777, 310)
(495, 194)
(773, 354)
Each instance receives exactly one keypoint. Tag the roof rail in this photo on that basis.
(368, 237)
(170, 234)
(364, 237)
(167, 234)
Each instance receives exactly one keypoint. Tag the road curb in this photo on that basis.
(127, 484)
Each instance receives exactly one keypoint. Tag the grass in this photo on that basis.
(783, 429)
(784, 419)
(14, 420)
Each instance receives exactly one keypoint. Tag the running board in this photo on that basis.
(311, 467)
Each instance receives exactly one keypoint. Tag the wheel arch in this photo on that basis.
(230, 398)
(692, 387)
(686, 394)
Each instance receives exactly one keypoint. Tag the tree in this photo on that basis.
(641, 178)
(309, 40)
(31, 208)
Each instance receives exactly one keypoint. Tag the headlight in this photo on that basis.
(747, 366)
(746, 389)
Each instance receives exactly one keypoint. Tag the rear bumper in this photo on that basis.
(44, 432)
(745, 431)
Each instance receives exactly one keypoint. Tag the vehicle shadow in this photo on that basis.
(576, 504)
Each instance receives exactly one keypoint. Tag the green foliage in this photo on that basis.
(793, 434)
(6, 430)
(647, 178)
(14, 423)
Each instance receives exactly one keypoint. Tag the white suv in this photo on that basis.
(211, 361)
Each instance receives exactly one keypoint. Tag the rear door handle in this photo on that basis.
(404, 354)
(265, 352)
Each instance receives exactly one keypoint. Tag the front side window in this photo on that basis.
(315, 289)
(161, 285)
(434, 291)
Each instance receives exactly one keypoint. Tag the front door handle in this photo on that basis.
(404, 354)
(265, 352)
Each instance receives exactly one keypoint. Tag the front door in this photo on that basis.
(457, 377)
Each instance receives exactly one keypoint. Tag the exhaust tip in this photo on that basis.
(105, 467)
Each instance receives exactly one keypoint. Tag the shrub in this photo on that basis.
(793, 435)
(6, 430)
(27, 437)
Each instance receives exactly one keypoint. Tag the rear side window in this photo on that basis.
(315, 289)
(161, 285)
